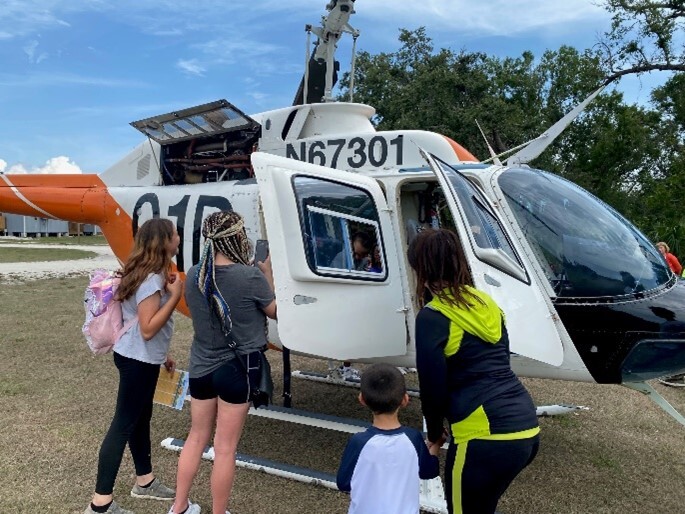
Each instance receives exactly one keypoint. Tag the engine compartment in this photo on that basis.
(207, 143)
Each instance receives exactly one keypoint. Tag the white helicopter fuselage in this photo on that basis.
(349, 315)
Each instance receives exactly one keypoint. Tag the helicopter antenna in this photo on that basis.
(493, 156)
(352, 65)
(539, 144)
(508, 151)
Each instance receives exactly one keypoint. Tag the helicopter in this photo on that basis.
(587, 296)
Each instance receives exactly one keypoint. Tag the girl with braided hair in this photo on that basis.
(462, 358)
(227, 298)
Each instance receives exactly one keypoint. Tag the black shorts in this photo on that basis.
(228, 382)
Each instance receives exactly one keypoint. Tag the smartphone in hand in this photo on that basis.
(261, 250)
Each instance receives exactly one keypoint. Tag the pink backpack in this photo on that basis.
(104, 323)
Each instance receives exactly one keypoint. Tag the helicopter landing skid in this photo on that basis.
(653, 395)
(335, 379)
(674, 381)
(431, 495)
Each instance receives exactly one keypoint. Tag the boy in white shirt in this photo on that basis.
(381, 467)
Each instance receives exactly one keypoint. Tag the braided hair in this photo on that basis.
(224, 232)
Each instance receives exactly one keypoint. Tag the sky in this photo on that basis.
(75, 73)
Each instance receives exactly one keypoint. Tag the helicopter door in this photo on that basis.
(335, 260)
(498, 269)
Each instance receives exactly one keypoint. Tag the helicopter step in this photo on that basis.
(333, 378)
(431, 491)
(312, 419)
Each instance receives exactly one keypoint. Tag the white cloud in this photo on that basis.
(34, 56)
(30, 49)
(235, 49)
(259, 98)
(64, 79)
(55, 165)
(168, 18)
(158, 17)
(262, 58)
(491, 18)
(61, 164)
(191, 67)
(25, 17)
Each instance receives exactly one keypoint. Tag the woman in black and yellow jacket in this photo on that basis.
(465, 376)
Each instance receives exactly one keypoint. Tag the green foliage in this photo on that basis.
(645, 35)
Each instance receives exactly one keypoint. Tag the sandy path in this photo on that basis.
(21, 271)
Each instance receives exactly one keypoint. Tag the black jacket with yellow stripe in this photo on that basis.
(462, 356)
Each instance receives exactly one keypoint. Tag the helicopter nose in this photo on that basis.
(630, 340)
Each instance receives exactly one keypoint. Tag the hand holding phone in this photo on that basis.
(261, 250)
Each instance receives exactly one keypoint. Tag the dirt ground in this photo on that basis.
(624, 456)
(59, 264)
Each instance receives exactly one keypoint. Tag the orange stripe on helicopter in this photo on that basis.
(462, 153)
(77, 198)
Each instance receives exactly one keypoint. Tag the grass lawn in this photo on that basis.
(42, 254)
(70, 240)
(623, 456)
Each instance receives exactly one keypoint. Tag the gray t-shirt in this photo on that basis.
(132, 344)
(246, 292)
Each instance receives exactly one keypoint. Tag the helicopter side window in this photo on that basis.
(340, 230)
(491, 242)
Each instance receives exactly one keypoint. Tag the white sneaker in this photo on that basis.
(349, 373)
(193, 508)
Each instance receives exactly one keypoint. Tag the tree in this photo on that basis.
(659, 209)
(645, 35)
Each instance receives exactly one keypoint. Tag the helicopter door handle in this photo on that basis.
(492, 281)
(299, 299)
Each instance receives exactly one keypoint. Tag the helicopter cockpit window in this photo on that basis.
(491, 243)
(584, 246)
(340, 230)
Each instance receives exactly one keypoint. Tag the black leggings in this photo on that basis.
(478, 472)
(131, 423)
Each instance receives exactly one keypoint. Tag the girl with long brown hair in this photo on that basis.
(465, 376)
(227, 298)
(149, 291)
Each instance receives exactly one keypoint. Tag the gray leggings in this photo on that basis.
(131, 422)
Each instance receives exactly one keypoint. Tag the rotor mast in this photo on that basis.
(321, 70)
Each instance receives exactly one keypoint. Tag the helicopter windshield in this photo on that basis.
(585, 247)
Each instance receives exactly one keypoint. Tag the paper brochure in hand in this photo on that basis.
(172, 388)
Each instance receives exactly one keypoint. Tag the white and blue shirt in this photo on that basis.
(381, 469)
